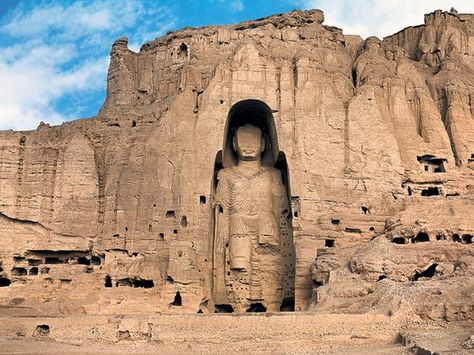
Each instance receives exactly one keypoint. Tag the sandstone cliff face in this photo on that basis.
(113, 213)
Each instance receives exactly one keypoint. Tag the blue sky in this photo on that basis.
(54, 54)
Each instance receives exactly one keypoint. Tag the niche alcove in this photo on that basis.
(253, 256)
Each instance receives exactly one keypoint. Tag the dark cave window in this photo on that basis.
(4, 282)
(83, 261)
(421, 237)
(399, 240)
(19, 271)
(288, 305)
(256, 308)
(329, 243)
(143, 283)
(108, 281)
(202, 200)
(170, 214)
(467, 239)
(223, 308)
(178, 301)
(52, 260)
(428, 272)
(33, 271)
(430, 191)
(42, 329)
(183, 51)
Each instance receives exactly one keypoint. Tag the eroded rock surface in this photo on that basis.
(115, 214)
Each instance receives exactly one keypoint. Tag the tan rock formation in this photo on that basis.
(116, 214)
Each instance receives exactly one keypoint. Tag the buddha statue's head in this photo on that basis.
(248, 143)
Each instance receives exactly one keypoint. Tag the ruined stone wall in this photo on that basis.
(112, 214)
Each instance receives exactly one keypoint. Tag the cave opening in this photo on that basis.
(178, 301)
(399, 240)
(183, 51)
(428, 272)
(143, 283)
(42, 329)
(421, 237)
(430, 191)
(335, 221)
(256, 308)
(223, 308)
(329, 243)
(19, 271)
(108, 281)
(33, 271)
(288, 305)
(52, 260)
(83, 261)
(4, 282)
(467, 239)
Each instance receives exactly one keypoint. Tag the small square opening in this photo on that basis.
(329, 243)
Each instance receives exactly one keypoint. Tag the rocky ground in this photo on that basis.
(282, 333)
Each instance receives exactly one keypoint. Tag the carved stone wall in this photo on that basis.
(112, 214)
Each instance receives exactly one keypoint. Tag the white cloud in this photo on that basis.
(381, 17)
(237, 6)
(63, 50)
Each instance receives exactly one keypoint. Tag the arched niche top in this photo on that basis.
(257, 113)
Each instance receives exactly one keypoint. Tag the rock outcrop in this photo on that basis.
(114, 214)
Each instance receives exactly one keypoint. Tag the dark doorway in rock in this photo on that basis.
(467, 239)
(456, 238)
(19, 271)
(288, 305)
(83, 261)
(33, 271)
(329, 243)
(143, 283)
(4, 282)
(108, 281)
(421, 237)
(178, 301)
(430, 191)
(428, 272)
(256, 308)
(42, 329)
(223, 308)
(183, 51)
(399, 240)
